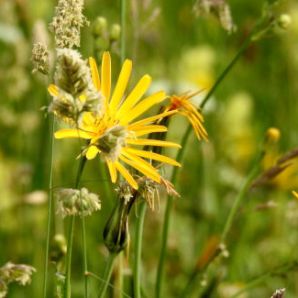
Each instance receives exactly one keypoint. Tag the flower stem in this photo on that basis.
(85, 256)
(50, 207)
(138, 250)
(67, 286)
(169, 203)
(123, 30)
(107, 275)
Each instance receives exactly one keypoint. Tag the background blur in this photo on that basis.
(182, 52)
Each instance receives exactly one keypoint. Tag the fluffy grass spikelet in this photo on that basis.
(67, 23)
(72, 73)
(77, 202)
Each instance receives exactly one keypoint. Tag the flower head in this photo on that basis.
(183, 105)
(113, 131)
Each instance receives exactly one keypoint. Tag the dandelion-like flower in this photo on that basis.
(183, 105)
(113, 131)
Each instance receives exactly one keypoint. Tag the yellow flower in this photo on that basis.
(182, 104)
(295, 194)
(113, 132)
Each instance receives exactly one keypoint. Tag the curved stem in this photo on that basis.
(107, 275)
(67, 286)
(169, 203)
(50, 208)
(138, 250)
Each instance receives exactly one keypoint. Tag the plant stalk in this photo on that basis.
(107, 275)
(50, 207)
(138, 250)
(169, 203)
(67, 286)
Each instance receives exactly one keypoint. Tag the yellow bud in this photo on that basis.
(272, 135)
(284, 21)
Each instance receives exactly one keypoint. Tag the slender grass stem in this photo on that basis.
(277, 271)
(67, 286)
(123, 30)
(50, 207)
(169, 203)
(107, 275)
(85, 256)
(138, 250)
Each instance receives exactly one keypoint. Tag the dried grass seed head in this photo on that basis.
(72, 73)
(67, 23)
(40, 58)
(77, 202)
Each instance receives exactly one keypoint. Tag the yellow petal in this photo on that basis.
(53, 90)
(152, 174)
(143, 106)
(143, 130)
(91, 152)
(154, 156)
(121, 84)
(126, 175)
(137, 159)
(135, 95)
(112, 170)
(151, 142)
(73, 133)
(106, 75)
(153, 118)
(94, 73)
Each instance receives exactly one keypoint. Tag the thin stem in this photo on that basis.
(245, 186)
(67, 286)
(107, 275)
(50, 207)
(123, 30)
(85, 256)
(169, 203)
(138, 250)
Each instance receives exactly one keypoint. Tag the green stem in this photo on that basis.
(107, 275)
(67, 286)
(138, 250)
(85, 256)
(278, 271)
(245, 186)
(123, 30)
(50, 207)
(169, 203)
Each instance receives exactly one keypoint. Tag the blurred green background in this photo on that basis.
(182, 52)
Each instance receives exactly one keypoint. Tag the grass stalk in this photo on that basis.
(123, 30)
(85, 260)
(107, 275)
(67, 286)
(169, 203)
(138, 250)
(50, 207)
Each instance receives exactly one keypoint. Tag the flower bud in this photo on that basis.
(115, 32)
(99, 26)
(284, 21)
(58, 248)
(115, 233)
(272, 135)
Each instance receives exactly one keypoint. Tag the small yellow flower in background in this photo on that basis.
(113, 131)
(182, 104)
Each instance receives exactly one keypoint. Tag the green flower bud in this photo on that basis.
(115, 32)
(115, 233)
(101, 43)
(284, 21)
(99, 26)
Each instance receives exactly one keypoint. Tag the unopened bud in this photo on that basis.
(272, 135)
(284, 21)
(115, 32)
(99, 26)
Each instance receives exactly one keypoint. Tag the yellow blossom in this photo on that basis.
(113, 131)
(183, 105)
